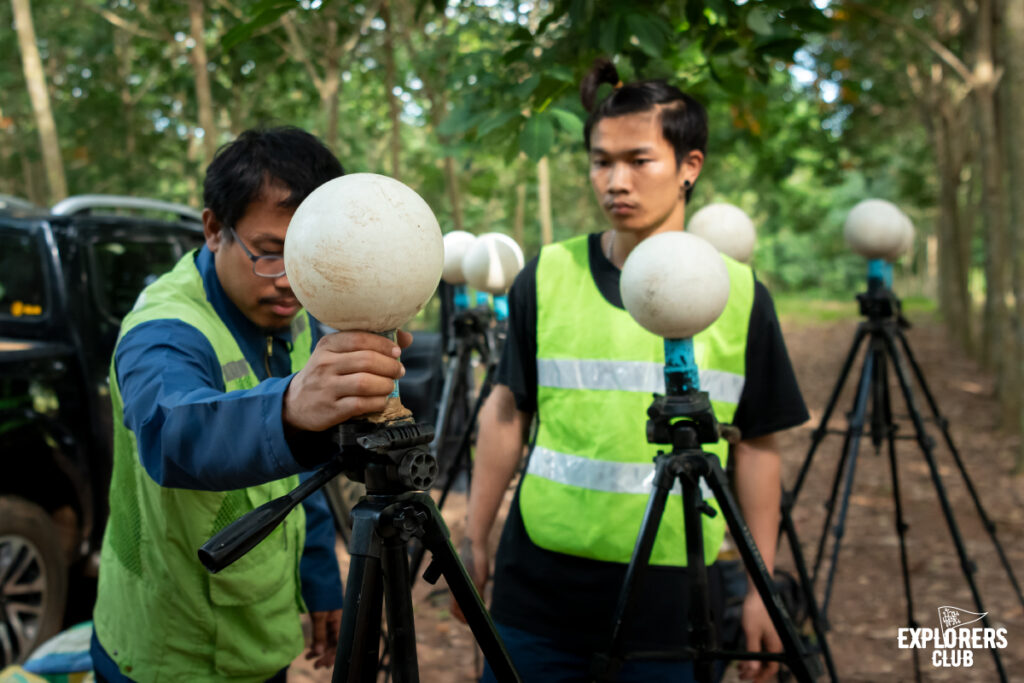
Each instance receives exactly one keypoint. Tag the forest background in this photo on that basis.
(813, 106)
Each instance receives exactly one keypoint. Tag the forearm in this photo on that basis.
(758, 491)
(498, 451)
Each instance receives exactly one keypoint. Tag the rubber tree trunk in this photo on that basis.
(394, 109)
(35, 79)
(992, 199)
(544, 201)
(204, 96)
(1013, 119)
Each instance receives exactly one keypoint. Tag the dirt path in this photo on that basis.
(867, 605)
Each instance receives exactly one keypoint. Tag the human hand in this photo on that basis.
(761, 637)
(349, 374)
(478, 566)
(326, 626)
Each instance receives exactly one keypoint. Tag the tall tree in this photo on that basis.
(1013, 120)
(199, 61)
(35, 79)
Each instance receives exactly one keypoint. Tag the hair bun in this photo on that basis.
(602, 71)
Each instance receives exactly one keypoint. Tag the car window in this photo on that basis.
(22, 279)
(123, 268)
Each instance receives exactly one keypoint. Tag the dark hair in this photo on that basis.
(284, 156)
(684, 122)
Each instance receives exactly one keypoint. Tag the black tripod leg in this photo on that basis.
(901, 525)
(848, 468)
(822, 430)
(924, 441)
(461, 456)
(398, 602)
(818, 622)
(359, 636)
(796, 658)
(607, 667)
(943, 423)
(445, 562)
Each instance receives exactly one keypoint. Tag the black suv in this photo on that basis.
(67, 277)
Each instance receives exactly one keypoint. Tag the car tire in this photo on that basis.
(33, 579)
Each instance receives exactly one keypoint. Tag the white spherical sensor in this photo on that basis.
(674, 284)
(363, 252)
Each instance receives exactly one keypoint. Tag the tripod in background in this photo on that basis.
(882, 332)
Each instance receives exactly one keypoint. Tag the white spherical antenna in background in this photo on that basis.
(877, 229)
(456, 244)
(674, 284)
(908, 239)
(492, 263)
(727, 227)
(363, 252)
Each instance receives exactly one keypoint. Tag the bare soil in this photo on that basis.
(867, 605)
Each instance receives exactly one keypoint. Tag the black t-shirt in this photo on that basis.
(572, 598)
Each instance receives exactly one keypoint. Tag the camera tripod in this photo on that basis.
(472, 330)
(881, 332)
(685, 420)
(396, 468)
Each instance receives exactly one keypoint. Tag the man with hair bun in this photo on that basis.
(569, 361)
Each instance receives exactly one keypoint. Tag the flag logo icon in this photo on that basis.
(954, 617)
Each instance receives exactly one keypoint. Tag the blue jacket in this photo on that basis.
(193, 435)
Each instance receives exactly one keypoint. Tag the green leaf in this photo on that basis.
(650, 33)
(243, 32)
(496, 122)
(568, 121)
(759, 20)
(523, 90)
(537, 137)
(609, 40)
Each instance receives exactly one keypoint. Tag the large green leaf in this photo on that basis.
(759, 20)
(568, 121)
(537, 136)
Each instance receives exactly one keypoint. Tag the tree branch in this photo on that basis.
(940, 50)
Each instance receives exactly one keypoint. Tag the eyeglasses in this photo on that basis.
(264, 265)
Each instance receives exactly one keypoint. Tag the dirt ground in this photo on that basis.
(867, 604)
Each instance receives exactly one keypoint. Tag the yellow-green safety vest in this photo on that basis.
(590, 473)
(159, 614)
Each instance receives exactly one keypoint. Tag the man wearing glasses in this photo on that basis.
(223, 391)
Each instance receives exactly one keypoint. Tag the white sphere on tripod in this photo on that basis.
(727, 227)
(674, 284)
(492, 263)
(877, 229)
(456, 244)
(363, 252)
(908, 239)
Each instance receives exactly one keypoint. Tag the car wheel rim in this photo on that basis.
(22, 596)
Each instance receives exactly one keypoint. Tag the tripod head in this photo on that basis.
(389, 458)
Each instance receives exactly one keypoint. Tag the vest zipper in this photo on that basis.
(270, 351)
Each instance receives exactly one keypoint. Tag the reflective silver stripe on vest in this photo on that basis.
(236, 369)
(617, 375)
(599, 475)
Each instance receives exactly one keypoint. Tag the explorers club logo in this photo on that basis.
(954, 643)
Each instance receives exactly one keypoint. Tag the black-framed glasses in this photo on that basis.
(264, 265)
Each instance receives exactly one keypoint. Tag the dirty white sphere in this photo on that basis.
(727, 227)
(876, 229)
(363, 252)
(492, 263)
(674, 284)
(456, 244)
(908, 240)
